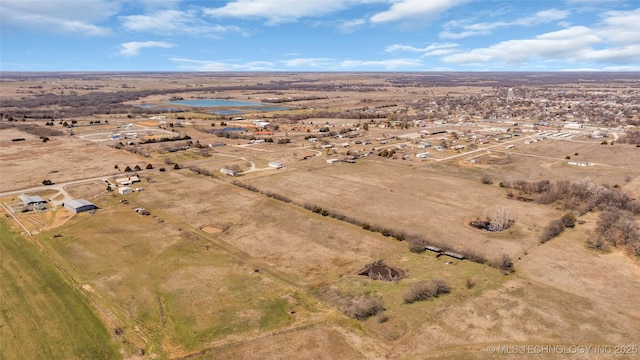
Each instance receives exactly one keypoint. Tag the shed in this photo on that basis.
(433, 248)
(79, 205)
(454, 255)
(31, 200)
(125, 190)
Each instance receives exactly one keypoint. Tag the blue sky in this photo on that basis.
(320, 35)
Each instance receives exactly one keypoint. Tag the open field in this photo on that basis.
(240, 267)
(60, 159)
(41, 311)
(412, 200)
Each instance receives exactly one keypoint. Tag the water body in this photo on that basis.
(227, 112)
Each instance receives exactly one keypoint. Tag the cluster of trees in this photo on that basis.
(200, 171)
(388, 153)
(425, 290)
(33, 129)
(292, 99)
(619, 227)
(165, 139)
(617, 221)
(581, 196)
(631, 137)
(557, 226)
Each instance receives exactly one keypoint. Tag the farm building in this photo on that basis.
(228, 171)
(31, 200)
(124, 190)
(423, 155)
(276, 165)
(79, 205)
(128, 180)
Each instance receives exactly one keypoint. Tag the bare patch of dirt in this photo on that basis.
(211, 229)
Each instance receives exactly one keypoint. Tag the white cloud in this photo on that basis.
(134, 47)
(307, 62)
(351, 25)
(171, 22)
(70, 16)
(622, 68)
(621, 55)
(622, 27)
(613, 42)
(541, 17)
(392, 64)
(579, 69)
(155, 4)
(280, 11)
(213, 65)
(290, 64)
(561, 44)
(414, 9)
(425, 50)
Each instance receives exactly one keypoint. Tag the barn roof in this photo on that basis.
(27, 200)
(77, 203)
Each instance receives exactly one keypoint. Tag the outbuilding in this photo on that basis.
(128, 180)
(124, 190)
(79, 205)
(31, 200)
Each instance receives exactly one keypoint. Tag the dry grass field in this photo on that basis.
(218, 271)
(63, 158)
(415, 200)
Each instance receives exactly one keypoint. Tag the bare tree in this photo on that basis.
(500, 218)
(505, 264)
(596, 242)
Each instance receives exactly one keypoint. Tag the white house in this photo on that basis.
(124, 190)
(276, 165)
(423, 155)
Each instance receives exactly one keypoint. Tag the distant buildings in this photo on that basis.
(572, 125)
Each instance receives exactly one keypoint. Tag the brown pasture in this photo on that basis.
(244, 276)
